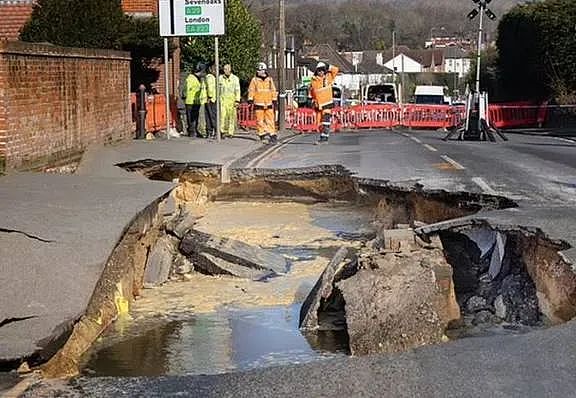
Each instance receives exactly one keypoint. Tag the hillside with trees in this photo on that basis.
(368, 25)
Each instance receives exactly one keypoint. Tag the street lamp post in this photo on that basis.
(477, 125)
(282, 67)
(482, 8)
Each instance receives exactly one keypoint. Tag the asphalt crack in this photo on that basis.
(15, 231)
(8, 321)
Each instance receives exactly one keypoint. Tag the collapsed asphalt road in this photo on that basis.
(409, 373)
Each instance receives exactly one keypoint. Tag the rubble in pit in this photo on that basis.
(492, 281)
(391, 299)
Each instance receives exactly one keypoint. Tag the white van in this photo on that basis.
(431, 95)
(379, 93)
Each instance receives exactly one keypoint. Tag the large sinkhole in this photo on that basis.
(288, 266)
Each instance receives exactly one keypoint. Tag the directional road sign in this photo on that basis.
(191, 17)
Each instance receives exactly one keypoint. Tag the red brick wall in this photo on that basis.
(55, 101)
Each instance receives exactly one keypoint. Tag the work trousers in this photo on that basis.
(210, 111)
(265, 121)
(324, 121)
(192, 116)
(228, 117)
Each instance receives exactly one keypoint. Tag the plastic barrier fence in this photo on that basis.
(429, 116)
(155, 112)
(516, 114)
(373, 116)
(246, 116)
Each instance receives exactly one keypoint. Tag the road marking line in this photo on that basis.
(416, 139)
(566, 140)
(454, 163)
(405, 135)
(430, 148)
(255, 163)
(484, 185)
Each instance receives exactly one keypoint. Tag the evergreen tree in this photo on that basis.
(73, 23)
(537, 50)
(98, 24)
(240, 46)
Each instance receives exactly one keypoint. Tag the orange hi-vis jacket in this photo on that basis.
(262, 91)
(321, 88)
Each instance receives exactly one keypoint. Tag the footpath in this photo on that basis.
(58, 231)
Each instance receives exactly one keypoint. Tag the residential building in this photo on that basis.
(13, 16)
(456, 60)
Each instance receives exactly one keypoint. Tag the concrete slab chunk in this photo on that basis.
(233, 251)
(212, 265)
(309, 318)
(160, 261)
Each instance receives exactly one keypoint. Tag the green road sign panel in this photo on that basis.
(195, 10)
(199, 28)
(191, 17)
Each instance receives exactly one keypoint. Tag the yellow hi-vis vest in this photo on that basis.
(210, 87)
(229, 88)
(195, 91)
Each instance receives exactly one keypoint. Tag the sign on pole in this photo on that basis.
(191, 17)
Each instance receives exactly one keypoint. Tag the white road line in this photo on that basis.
(255, 163)
(566, 140)
(430, 148)
(454, 163)
(415, 139)
(405, 135)
(484, 185)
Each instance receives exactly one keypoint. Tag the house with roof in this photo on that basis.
(356, 68)
(457, 60)
(13, 16)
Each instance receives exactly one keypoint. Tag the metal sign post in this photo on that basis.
(191, 18)
(167, 87)
(217, 66)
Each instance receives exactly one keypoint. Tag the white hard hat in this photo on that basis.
(261, 66)
(321, 65)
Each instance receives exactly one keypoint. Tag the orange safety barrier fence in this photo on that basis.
(155, 112)
(373, 116)
(429, 116)
(377, 116)
(246, 116)
(516, 114)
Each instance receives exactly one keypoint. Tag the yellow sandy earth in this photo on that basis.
(265, 224)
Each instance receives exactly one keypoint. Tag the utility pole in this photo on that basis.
(282, 67)
(394, 58)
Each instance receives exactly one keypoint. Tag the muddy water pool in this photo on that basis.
(208, 325)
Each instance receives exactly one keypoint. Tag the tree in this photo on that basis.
(537, 50)
(73, 23)
(240, 46)
(98, 24)
(489, 73)
(142, 39)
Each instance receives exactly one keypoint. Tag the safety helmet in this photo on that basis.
(321, 66)
(200, 67)
(261, 66)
